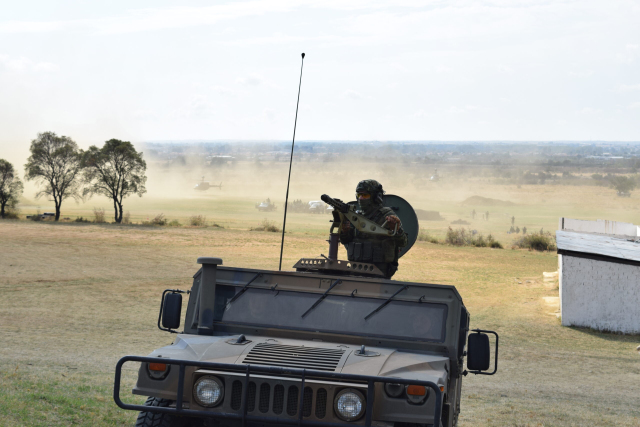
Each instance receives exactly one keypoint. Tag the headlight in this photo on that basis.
(349, 404)
(208, 391)
(394, 390)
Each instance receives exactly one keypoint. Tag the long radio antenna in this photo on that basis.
(286, 200)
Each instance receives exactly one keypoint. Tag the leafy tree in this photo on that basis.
(55, 164)
(10, 187)
(116, 171)
(623, 184)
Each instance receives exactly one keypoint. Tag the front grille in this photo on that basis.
(321, 359)
(307, 399)
(236, 395)
(251, 398)
(265, 391)
(321, 403)
(292, 401)
(278, 399)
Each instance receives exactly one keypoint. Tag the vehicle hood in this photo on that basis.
(383, 362)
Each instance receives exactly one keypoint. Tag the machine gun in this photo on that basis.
(343, 211)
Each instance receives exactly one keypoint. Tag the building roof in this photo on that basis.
(598, 244)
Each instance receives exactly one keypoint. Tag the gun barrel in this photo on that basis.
(342, 207)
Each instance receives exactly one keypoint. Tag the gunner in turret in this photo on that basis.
(379, 250)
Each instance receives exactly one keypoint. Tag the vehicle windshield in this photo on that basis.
(336, 314)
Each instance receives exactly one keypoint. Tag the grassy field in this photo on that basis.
(75, 297)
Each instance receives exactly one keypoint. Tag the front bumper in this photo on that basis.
(248, 411)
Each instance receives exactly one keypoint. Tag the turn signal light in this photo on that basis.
(416, 390)
(158, 367)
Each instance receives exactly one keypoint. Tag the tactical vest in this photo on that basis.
(372, 248)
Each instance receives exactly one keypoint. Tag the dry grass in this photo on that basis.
(424, 236)
(266, 225)
(98, 215)
(76, 297)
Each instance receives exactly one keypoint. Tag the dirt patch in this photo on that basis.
(104, 303)
(485, 201)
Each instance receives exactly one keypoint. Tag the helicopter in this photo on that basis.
(205, 185)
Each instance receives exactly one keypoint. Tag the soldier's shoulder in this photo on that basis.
(387, 211)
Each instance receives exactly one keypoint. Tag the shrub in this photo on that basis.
(495, 244)
(198, 220)
(174, 223)
(126, 218)
(36, 217)
(159, 220)
(11, 213)
(536, 241)
(463, 237)
(424, 236)
(80, 219)
(98, 215)
(266, 225)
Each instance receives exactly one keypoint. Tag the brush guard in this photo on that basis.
(370, 381)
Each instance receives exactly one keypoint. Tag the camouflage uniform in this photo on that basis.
(379, 250)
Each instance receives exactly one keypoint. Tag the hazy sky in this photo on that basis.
(381, 70)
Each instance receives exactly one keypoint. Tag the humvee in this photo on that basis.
(266, 206)
(332, 343)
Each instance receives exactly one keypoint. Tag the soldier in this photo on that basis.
(379, 250)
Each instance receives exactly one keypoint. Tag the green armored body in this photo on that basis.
(381, 250)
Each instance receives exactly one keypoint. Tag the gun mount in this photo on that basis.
(347, 212)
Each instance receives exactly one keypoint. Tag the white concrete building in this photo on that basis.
(599, 226)
(599, 277)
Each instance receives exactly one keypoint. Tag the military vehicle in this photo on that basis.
(266, 206)
(317, 206)
(298, 206)
(332, 343)
(205, 185)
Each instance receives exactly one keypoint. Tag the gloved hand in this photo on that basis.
(392, 220)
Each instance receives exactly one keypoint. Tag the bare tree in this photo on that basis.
(10, 187)
(116, 170)
(55, 164)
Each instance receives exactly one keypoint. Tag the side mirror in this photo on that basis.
(479, 353)
(170, 310)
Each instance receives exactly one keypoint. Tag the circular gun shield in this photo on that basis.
(407, 215)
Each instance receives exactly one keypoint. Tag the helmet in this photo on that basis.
(372, 187)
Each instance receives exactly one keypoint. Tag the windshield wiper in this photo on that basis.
(235, 297)
(385, 303)
(315, 304)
